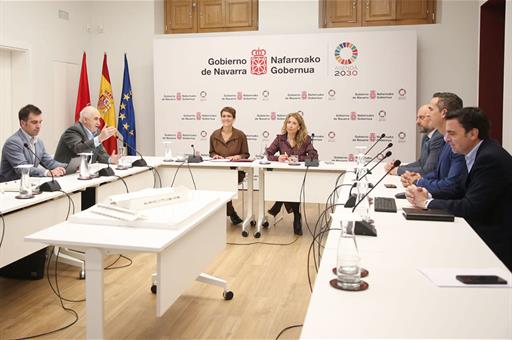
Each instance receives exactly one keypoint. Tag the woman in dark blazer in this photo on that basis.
(293, 141)
(230, 143)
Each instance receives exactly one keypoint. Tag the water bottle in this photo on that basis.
(348, 270)
(363, 209)
(25, 190)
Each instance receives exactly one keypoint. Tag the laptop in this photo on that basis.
(73, 165)
(428, 215)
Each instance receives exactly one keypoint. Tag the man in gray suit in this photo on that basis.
(15, 153)
(431, 145)
(85, 136)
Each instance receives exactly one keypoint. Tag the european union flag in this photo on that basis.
(126, 120)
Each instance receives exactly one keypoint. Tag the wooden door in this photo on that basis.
(342, 13)
(211, 14)
(409, 12)
(379, 12)
(180, 16)
(239, 13)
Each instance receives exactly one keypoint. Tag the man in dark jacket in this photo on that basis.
(85, 136)
(487, 202)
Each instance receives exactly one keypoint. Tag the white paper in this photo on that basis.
(445, 277)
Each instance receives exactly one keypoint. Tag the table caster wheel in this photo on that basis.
(245, 233)
(228, 295)
(257, 234)
(81, 276)
(253, 223)
(153, 289)
(265, 224)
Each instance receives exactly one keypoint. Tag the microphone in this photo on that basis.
(104, 172)
(312, 162)
(50, 186)
(378, 140)
(193, 158)
(364, 227)
(138, 162)
(380, 153)
(389, 153)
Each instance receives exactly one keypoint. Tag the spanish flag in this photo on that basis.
(106, 106)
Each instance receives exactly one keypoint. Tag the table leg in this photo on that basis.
(262, 221)
(249, 215)
(94, 293)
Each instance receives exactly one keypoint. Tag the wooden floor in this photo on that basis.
(270, 285)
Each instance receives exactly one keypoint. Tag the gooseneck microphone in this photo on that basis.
(380, 153)
(364, 227)
(310, 161)
(194, 158)
(369, 171)
(50, 186)
(395, 164)
(104, 172)
(378, 140)
(138, 162)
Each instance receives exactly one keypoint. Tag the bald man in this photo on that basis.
(85, 136)
(431, 145)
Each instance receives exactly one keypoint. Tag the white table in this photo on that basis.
(182, 254)
(279, 181)
(26, 216)
(212, 175)
(400, 301)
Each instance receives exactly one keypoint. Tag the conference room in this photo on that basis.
(255, 169)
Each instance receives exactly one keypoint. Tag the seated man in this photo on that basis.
(15, 153)
(431, 145)
(450, 172)
(84, 137)
(487, 201)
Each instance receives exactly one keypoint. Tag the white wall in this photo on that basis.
(128, 26)
(54, 44)
(447, 51)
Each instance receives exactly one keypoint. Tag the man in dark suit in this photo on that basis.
(15, 153)
(487, 202)
(85, 137)
(431, 145)
(451, 169)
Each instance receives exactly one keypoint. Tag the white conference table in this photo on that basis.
(26, 216)
(279, 181)
(400, 301)
(182, 254)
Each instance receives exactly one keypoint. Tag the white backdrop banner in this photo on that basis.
(350, 87)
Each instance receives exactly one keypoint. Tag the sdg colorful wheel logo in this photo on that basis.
(339, 53)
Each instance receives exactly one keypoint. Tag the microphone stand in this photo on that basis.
(367, 228)
(310, 162)
(49, 186)
(193, 158)
(138, 162)
(104, 172)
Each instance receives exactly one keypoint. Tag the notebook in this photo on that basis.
(428, 214)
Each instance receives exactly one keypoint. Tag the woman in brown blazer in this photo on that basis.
(293, 141)
(230, 143)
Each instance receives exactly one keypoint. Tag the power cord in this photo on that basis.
(192, 176)
(110, 266)
(155, 172)
(124, 182)
(260, 242)
(56, 290)
(287, 328)
(176, 172)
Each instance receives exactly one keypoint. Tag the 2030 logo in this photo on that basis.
(346, 71)
(346, 55)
